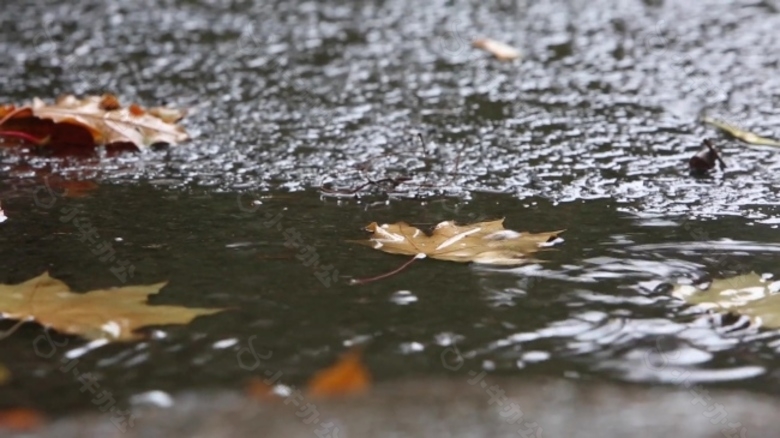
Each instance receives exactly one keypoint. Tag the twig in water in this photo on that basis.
(397, 181)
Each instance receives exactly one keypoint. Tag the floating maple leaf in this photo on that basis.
(744, 294)
(747, 137)
(483, 242)
(111, 314)
(103, 119)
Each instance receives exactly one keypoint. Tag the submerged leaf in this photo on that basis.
(502, 51)
(111, 314)
(744, 294)
(5, 375)
(483, 242)
(73, 188)
(102, 117)
(348, 376)
(259, 389)
(345, 377)
(747, 137)
(20, 419)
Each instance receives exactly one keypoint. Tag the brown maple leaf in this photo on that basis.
(111, 314)
(747, 294)
(483, 242)
(92, 121)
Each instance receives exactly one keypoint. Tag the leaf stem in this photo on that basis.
(406, 264)
(13, 329)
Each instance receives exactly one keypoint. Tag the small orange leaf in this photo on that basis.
(20, 419)
(347, 376)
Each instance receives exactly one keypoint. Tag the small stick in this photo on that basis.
(707, 142)
(453, 174)
(13, 329)
(346, 192)
(704, 160)
(395, 182)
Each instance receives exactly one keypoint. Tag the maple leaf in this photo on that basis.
(73, 188)
(103, 119)
(483, 242)
(747, 137)
(744, 294)
(20, 419)
(348, 376)
(111, 314)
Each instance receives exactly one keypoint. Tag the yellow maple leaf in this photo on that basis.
(747, 137)
(111, 314)
(747, 294)
(483, 242)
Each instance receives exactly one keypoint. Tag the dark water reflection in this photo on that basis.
(589, 133)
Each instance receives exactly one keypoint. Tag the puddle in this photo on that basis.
(591, 133)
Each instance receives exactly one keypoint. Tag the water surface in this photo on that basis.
(590, 133)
